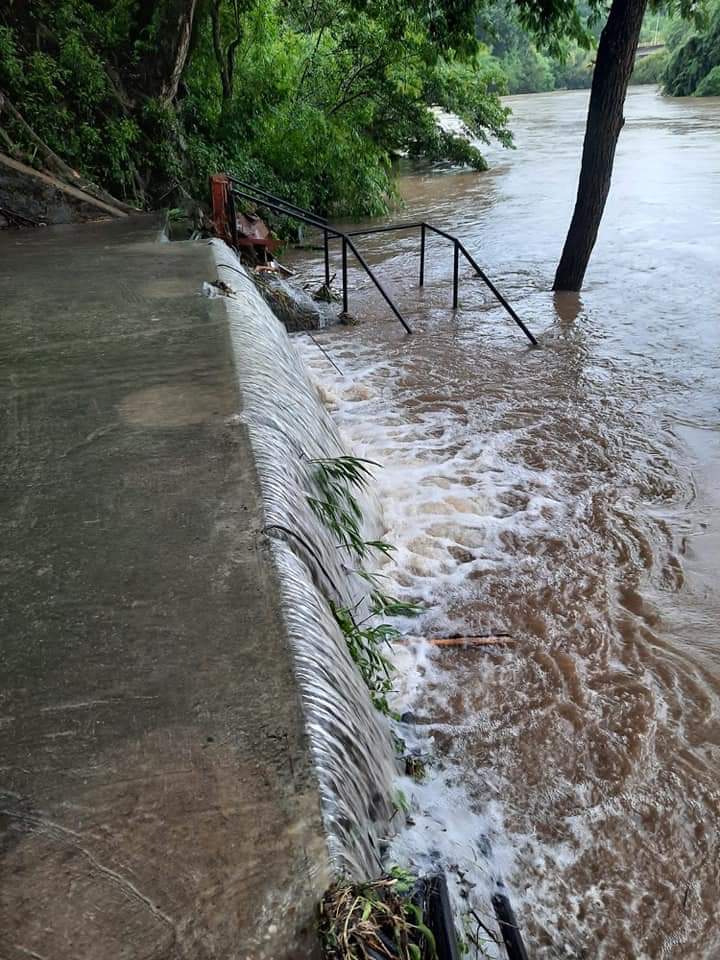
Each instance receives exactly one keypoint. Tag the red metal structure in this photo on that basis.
(250, 231)
(238, 229)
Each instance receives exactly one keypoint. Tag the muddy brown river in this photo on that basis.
(568, 496)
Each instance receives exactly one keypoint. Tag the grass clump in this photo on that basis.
(416, 766)
(375, 921)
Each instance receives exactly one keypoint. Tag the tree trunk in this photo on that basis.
(613, 66)
(225, 57)
(164, 67)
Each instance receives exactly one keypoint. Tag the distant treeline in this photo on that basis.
(693, 59)
(688, 66)
(525, 67)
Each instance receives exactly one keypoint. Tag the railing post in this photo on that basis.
(344, 274)
(456, 265)
(232, 218)
(422, 254)
(327, 260)
(363, 263)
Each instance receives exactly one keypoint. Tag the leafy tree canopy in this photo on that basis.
(693, 67)
(313, 97)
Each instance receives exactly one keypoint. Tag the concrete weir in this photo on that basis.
(158, 797)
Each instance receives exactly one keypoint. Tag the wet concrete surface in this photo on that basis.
(157, 798)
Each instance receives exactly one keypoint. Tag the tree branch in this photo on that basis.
(225, 57)
(218, 48)
(54, 162)
(354, 75)
(349, 99)
(308, 63)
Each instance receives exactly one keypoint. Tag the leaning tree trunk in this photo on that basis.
(163, 68)
(613, 65)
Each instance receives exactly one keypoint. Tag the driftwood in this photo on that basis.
(26, 179)
(484, 640)
(14, 219)
(461, 642)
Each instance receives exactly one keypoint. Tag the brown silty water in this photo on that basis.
(568, 496)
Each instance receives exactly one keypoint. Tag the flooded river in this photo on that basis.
(568, 496)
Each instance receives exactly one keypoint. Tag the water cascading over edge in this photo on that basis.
(289, 428)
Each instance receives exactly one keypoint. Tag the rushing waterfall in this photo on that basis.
(289, 429)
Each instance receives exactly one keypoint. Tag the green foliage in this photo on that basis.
(55, 68)
(575, 72)
(694, 56)
(656, 24)
(375, 919)
(535, 60)
(337, 508)
(561, 56)
(312, 97)
(709, 86)
(325, 94)
(650, 69)
(365, 645)
(415, 766)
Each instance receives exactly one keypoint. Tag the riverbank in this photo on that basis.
(157, 793)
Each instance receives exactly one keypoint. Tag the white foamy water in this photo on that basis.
(289, 430)
(442, 493)
(566, 496)
(497, 531)
(452, 123)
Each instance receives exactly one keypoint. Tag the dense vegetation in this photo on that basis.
(693, 63)
(525, 64)
(310, 96)
(313, 97)
(685, 67)
(689, 65)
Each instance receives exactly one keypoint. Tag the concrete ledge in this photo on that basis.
(157, 798)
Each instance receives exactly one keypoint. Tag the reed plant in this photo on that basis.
(336, 482)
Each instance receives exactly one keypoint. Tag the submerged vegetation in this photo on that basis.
(378, 919)
(337, 507)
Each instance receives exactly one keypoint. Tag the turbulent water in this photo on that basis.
(290, 431)
(567, 496)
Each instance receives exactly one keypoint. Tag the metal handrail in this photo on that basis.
(292, 206)
(284, 207)
(459, 247)
(304, 216)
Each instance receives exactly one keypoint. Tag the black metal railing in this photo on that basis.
(251, 192)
